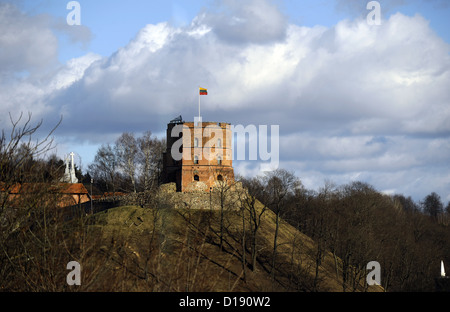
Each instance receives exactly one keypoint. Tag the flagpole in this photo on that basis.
(199, 102)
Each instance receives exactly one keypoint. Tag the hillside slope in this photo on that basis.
(165, 249)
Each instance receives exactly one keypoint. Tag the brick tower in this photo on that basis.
(198, 155)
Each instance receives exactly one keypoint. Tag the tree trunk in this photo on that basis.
(243, 247)
(277, 223)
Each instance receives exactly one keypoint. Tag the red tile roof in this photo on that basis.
(62, 188)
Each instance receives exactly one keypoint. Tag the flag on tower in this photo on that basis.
(203, 91)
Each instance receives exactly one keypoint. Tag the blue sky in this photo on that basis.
(353, 101)
(113, 22)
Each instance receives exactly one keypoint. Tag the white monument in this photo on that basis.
(69, 173)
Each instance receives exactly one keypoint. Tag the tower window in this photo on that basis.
(195, 142)
(196, 160)
(196, 178)
(219, 143)
(219, 177)
(219, 160)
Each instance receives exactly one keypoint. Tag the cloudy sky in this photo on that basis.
(353, 101)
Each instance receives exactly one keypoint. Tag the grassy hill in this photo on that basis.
(165, 249)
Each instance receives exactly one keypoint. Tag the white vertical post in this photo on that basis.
(72, 168)
(72, 177)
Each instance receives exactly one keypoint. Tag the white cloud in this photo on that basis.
(351, 78)
(73, 71)
(76, 34)
(27, 43)
(254, 21)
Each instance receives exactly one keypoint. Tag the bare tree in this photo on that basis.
(432, 205)
(126, 149)
(30, 231)
(105, 165)
(149, 157)
(17, 149)
(250, 203)
(280, 184)
(17, 152)
(222, 192)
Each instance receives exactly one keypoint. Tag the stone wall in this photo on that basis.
(131, 199)
(167, 194)
(197, 198)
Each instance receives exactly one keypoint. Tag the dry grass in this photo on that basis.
(179, 250)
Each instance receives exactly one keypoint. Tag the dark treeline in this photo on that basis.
(358, 224)
(131, 164)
